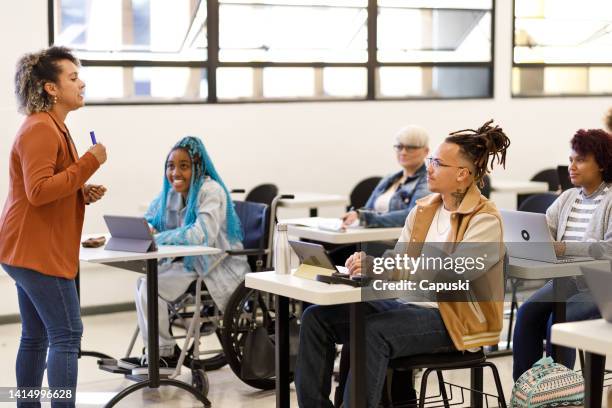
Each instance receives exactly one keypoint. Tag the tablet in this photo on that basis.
(131, 234)
(313, 254)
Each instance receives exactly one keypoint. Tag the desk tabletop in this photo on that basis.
(529, 269)
(302, 289)
(311, 200)
(594, 336)
(100, 255)
(350, 236)
(519, 187)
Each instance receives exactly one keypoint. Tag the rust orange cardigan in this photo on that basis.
(42, 220)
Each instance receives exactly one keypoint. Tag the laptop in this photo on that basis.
(129, 234)
(564, 180)
(600, 282)
(527, 236)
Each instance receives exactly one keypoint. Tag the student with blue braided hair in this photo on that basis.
(193, 208)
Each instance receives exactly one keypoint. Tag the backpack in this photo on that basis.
(547, 385)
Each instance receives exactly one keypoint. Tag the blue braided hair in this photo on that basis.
(201, 166)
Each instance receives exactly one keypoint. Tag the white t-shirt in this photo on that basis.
(381, 204)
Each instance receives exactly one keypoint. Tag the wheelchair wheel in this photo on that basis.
(238, 320)
(199, 380)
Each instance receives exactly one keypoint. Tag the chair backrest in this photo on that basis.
(362, 191)
(549, 176)
(254, 222)
(538, 203)
(263, 193)
(486, 188)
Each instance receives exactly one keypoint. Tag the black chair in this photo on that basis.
(486, 188)
(457, 360)
(538, 203)
(263, 193)
(549, 176)
(362, 191)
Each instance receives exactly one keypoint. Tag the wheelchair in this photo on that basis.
(194, 314)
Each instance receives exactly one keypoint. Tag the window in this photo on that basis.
(166, 51)
(137, 50)
(435, 49)
(562, 47)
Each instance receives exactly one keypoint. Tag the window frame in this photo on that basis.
(549, 65)
(212, 63)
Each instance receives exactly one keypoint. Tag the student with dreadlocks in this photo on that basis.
(193, 208)
(455, 214)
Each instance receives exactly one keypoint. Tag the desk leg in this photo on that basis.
(559, 296)
(153, 323)
(593, 379)
(281, 334)
(358, 356)
(153, 380)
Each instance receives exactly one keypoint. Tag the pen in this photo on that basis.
(93, 137)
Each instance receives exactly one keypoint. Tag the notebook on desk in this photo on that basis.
(322, 223)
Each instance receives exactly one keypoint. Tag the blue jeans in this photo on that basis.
(534, 319)
(392, 330)
(50, 318)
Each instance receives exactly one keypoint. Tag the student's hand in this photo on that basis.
(559, 248)
(93, 192)
(153, 230)
(354, 263)
(349, 218)
(99, 152)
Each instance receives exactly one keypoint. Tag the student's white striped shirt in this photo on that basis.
(581, 213)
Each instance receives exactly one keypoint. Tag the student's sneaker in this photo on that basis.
(131, 362)
(167, 365)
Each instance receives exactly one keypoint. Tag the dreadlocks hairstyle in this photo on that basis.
(480, 144)
(33, 71)
(201, 167)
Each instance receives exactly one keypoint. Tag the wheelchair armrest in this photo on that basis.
(254, 251)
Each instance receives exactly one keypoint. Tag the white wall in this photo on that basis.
(324, 147)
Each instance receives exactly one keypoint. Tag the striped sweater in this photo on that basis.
(578, 219)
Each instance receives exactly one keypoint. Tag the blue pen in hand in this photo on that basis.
(93, 137)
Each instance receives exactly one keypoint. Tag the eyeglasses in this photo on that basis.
(436, 163)
(399, 147)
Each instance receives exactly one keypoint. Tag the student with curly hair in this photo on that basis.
(40, 227)
(580, 217)
(456, 215)
(193, 208)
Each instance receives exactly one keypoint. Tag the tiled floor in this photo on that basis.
(111, 333)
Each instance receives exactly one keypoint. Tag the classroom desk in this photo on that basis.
(313, 201)
(350, 236)
(595, 338)
(147, 263)
(289, 286)
(536, 270)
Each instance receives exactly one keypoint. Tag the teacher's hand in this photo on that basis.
(99, 152)
(93, 192)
